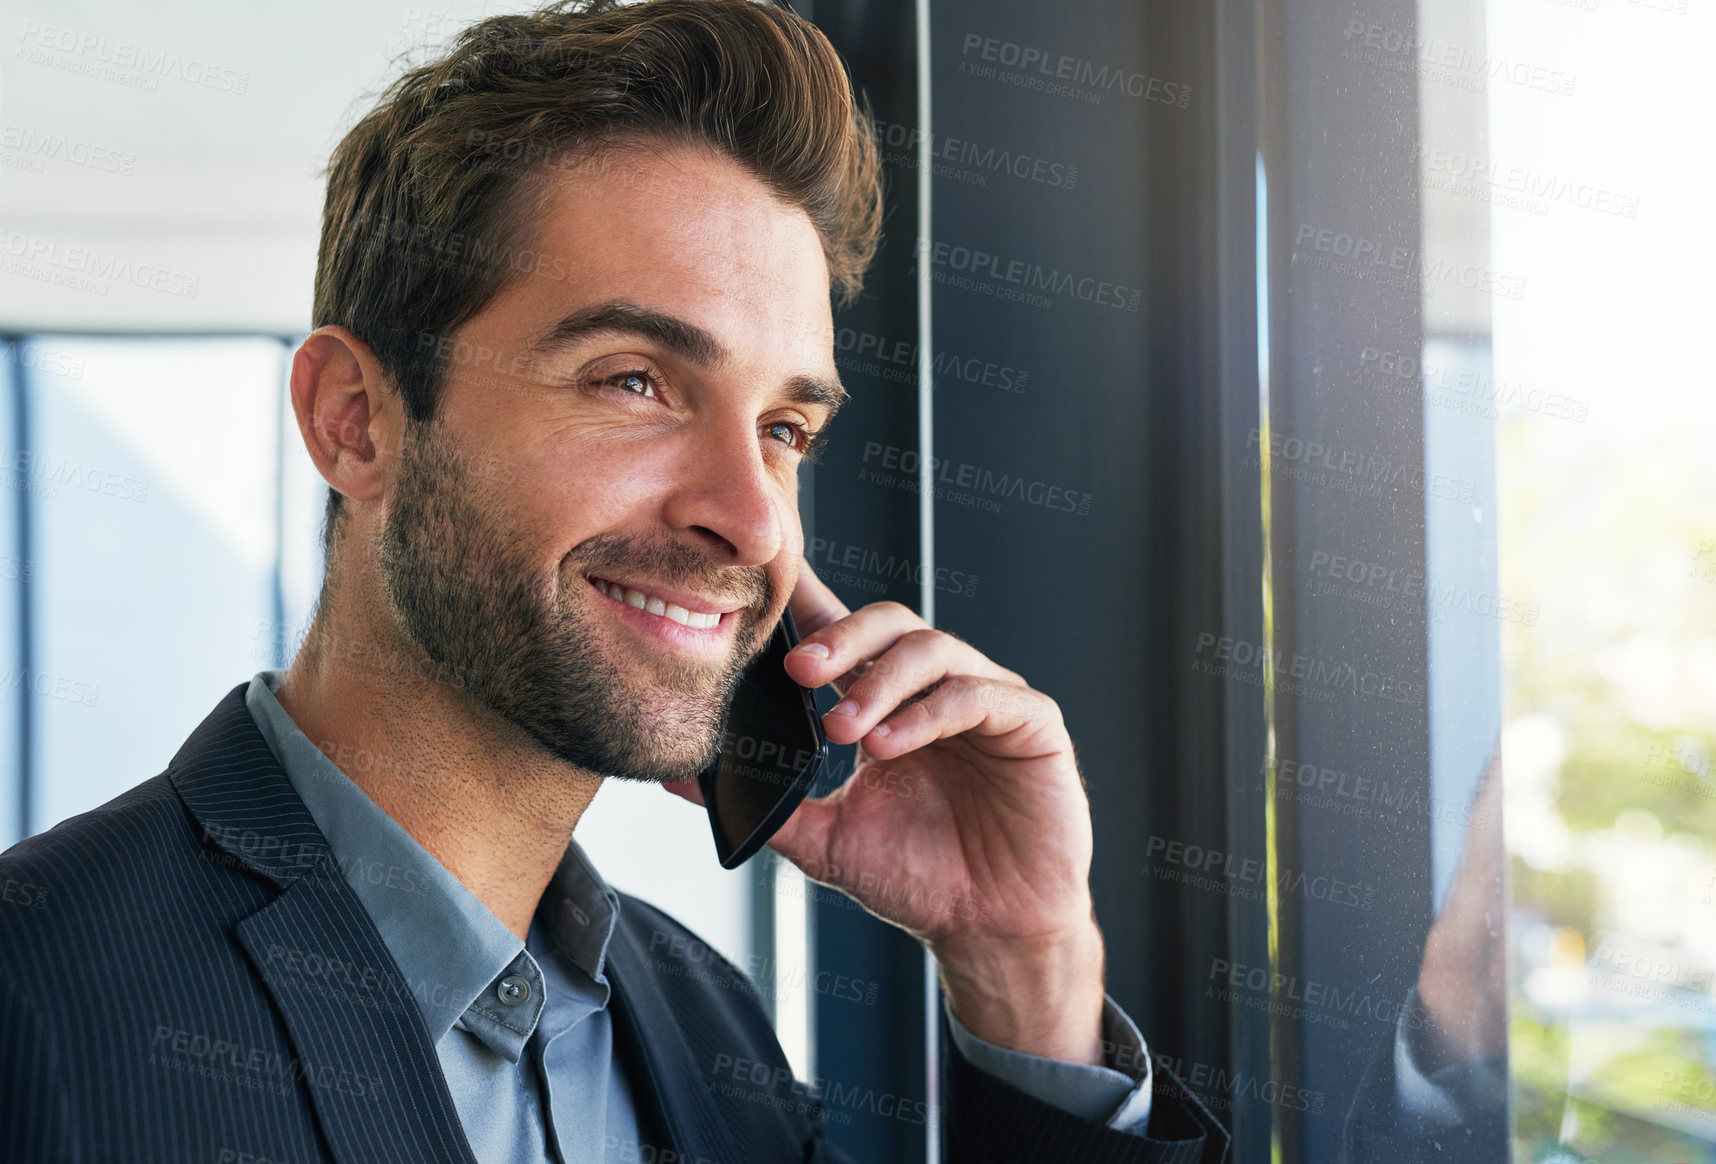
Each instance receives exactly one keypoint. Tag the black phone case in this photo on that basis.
(731, 856)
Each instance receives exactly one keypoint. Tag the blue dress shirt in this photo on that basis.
(522, 1029)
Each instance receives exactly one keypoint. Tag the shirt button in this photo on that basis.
(514, 990)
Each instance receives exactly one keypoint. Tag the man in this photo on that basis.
(573, 344)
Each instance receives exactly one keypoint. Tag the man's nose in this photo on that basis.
(727, 496)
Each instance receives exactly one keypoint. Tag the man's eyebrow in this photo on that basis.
(685, 340)
(815, 390)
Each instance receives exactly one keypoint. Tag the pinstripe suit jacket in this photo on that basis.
(185, 975)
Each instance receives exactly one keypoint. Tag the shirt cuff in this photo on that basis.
(1442, 1099)
(1117, 1094)
(1415, 1094)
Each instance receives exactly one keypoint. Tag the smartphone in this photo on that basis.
(772, 751)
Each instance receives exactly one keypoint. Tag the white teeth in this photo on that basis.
(655, 605)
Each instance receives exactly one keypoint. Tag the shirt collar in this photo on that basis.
(455, 954)
(580, 911)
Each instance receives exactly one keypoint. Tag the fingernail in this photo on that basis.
(882, 729)
(818, 649)
(844, 707)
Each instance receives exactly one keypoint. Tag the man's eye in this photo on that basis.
(798, 437)
(638, 382)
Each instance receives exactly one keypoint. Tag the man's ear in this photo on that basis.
(348, 412)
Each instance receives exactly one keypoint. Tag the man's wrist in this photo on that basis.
(1042, 998)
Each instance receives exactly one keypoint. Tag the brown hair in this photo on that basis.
(427, 200)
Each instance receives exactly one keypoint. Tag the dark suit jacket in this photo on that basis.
(185, 975)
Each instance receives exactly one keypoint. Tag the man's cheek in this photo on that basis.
(791, 562)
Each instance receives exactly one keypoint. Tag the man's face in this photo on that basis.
(630, 415)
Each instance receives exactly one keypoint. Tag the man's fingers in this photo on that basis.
(884, 654)
(869, 693)
(965, 703)
(841, 651)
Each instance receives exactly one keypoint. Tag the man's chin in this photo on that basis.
(648, 739)
(659, 769)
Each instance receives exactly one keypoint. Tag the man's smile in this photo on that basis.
(678, 618)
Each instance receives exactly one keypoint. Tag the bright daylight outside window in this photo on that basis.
(1608, 544)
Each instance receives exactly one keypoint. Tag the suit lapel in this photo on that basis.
(358, 1039)
(671, 1087)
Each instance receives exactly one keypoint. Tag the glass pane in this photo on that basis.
(155, 533)
(1608, 539)
(15, 567)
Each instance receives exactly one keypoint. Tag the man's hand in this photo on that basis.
(1463, 979)
(964, 821)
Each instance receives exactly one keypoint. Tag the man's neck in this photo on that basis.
(478, 793)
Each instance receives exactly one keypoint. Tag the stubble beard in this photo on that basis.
(461, 587)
